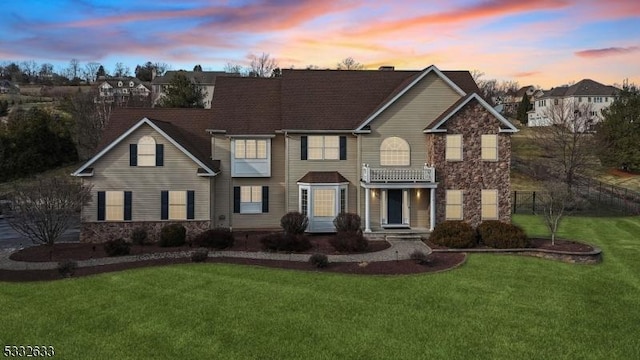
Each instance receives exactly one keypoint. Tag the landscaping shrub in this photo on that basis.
(349, 242)
(218, 238)
(420, 257)
(139, 236)
(66, 268)
(347, 222)
(200, 255)
(286, 242)
(319, 260)
(172, 235)
(117, 247)
(501, 235)
(294, 223)
(454, 234)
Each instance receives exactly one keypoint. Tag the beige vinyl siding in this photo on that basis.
(407, 118)
(224, 188)
(419, 208)
(298, 168)
(113, 173)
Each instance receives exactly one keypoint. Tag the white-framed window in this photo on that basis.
(489, 147)
(131, 84)
(489, 202)
(177, 205)
(323, 148)
(453, 210)
(250, 199)
(250, 149)
(146, 151)
(324, 202)
(395, 151)
(453, 151)
(251, 157)
(114, 205)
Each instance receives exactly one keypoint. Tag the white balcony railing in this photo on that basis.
(426, 174)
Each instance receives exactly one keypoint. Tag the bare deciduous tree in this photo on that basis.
(91, 115)
(567, 145)
(349, 64)
(234, 69)
(121, 70)
(262, 66)
(74, 69)
(555, 199)
(91, 71)
(44, 209)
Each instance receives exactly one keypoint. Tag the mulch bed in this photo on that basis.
(541, 243)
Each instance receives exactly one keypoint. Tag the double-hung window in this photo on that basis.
(114, 205)
(251, 199)
(177, 205)
(489, 145)
(453, 151)
(323, 147)
(454, 203)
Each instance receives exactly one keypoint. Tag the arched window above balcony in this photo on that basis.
(395, 151)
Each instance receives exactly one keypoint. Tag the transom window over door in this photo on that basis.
(395, 151)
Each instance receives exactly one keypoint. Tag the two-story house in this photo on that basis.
(404, 149)
(120, 90)
(206, 80)
(586, 95)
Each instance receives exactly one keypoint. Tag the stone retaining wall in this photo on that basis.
(99, 232)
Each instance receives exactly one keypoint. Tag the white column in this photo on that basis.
(367, 204)
(432, 220)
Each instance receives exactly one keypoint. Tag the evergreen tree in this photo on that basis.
(100, 72)
(525, 105)
(182, 93)
(618, 135)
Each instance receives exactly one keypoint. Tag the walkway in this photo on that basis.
(399, 250)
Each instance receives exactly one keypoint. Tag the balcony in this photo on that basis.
(398, 175)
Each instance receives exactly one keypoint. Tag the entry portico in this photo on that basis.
(397, 189)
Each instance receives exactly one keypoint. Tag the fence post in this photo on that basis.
(515, 201)
(534, 202)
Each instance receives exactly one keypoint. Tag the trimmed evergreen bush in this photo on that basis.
(501, 235)
(200, 255)
(454, 234)
(294, 223)
(319, 260)
(218, 238)
(139, 236)
(349, 242)
(286, 242)
(117, 247)
(347, 222)
(172, 235)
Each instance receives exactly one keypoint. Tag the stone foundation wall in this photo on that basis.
(472, 174)
(99, 232)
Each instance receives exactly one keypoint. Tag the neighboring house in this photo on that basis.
(205, 79)
(512, 100)
(586, 94)
(404, 149)
(120, 90)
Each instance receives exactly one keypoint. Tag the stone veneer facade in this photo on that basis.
(99, 232)
(472, 174)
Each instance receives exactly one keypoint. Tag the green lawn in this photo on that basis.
(493, 307)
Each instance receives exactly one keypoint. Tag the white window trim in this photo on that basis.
(402, 141)
(253, 206)
(482, 147)
(108, 195)
(310, 201)
(323, 148)
(250, 167)
(446, 147)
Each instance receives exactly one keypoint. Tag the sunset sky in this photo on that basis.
(540, 42)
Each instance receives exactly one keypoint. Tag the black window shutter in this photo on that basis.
(127, 205)
(101, 205)
(343, 148)
(133, 155)
(191, 204)
(164, 205)
(265, 199)
(236, 199)
(303, 148)
(159, 155)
